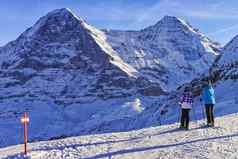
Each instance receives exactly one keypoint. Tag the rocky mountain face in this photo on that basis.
(63, 53)
(170, 52)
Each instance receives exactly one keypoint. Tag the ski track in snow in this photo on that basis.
(165, 142)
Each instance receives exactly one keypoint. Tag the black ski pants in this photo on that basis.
(185, 118)
(209, 112)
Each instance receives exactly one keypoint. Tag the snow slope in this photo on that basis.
(150, 117)
(165, 110)
(165, 142)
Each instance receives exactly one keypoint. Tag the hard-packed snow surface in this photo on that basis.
(165, 142)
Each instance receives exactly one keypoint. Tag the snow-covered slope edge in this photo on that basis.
(155, 142)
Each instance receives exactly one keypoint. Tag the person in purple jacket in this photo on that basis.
(186, 102)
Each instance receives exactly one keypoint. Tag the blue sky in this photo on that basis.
(218, 19)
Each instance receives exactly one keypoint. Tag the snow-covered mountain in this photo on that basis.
(65, 75)
(223, 74)
(170, 52)
(62, 71)
(63, 51)
(74, 79)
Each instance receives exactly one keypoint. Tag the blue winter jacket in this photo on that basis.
(208, 95)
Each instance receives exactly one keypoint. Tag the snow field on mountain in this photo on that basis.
(48, 120)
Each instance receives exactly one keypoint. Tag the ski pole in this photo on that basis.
(160, 110)
(179, 114)
(203, 113)
(210, 114)
(194, 115)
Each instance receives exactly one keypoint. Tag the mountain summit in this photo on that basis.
(171, 23)
(57, 21)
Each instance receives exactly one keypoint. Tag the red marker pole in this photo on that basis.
(25, 134)
(25, 120)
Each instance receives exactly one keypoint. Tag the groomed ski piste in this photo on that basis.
(166, 142)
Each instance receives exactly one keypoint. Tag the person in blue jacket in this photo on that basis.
(208, 97)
